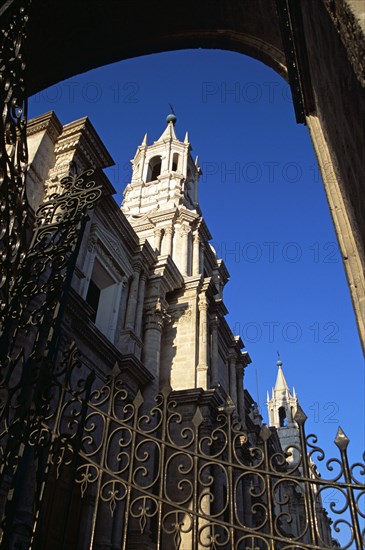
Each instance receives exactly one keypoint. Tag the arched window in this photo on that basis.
(154, 169)
(175, 162)
(282, 417)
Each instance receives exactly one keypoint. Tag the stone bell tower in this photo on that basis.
(192, 345)
(161, 202)
(281, 409)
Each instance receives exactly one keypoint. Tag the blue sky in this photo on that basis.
(262, 197)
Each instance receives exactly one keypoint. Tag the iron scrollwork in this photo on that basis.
(13, 146)
(29, 343)
(160, 478)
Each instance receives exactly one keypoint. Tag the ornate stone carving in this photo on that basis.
(155, 316)
(180, 315)
(203, 303)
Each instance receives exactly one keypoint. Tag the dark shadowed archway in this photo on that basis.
(319, 46)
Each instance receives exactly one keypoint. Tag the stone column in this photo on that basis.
(202, 369)
(233, 377)
(158, 236)
(241, 394)
(140, 303)
(202, 259)
(132, 299)
(196, 254)
(184, 250)
(167, 241)
(123, 303)
(176, 246)
(152, 342)
(214, 323)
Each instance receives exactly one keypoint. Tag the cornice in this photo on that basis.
(47, 122)
(135, 368)
(148, 253)
(245, 359)
(204, 231)
(238, 342)
(218, 307)
(144, 226)
(192, 282)
(169, 272)
(212, 398)
(186, 215)
(223, 271)
(162, 216)
(81, 133)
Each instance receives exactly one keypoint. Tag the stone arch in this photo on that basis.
(154, 168)
(318, 47)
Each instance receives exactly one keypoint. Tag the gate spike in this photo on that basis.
(341, 439)
(265, 432)
(197, 418)
(300, 417)
(138, 400)
(166, 390)
(230, 406)
(115, 370)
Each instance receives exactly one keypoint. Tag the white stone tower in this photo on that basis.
(194, 347)
(161, 202)
(281, 409)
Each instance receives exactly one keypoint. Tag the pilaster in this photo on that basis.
(202, 369)
(166, 248)
(214, 324)
(196, 254)
(232, 358)
(133, 298)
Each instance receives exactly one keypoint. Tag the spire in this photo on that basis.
(186, 139)
(144, 141)
(169, 131)
(280, 384)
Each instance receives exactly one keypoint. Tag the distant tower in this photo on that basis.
(282, 408)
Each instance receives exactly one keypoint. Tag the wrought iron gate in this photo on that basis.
(103, 471)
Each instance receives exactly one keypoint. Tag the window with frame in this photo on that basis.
(101, 296)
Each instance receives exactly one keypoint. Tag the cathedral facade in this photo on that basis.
(146, 312)
(147, 286)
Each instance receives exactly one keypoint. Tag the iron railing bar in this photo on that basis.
(161, 467)
(76, 449)
(100, 468)
(129, 485)
(358, 538)
(308, 494)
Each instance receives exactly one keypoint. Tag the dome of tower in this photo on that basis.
(171, 118)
